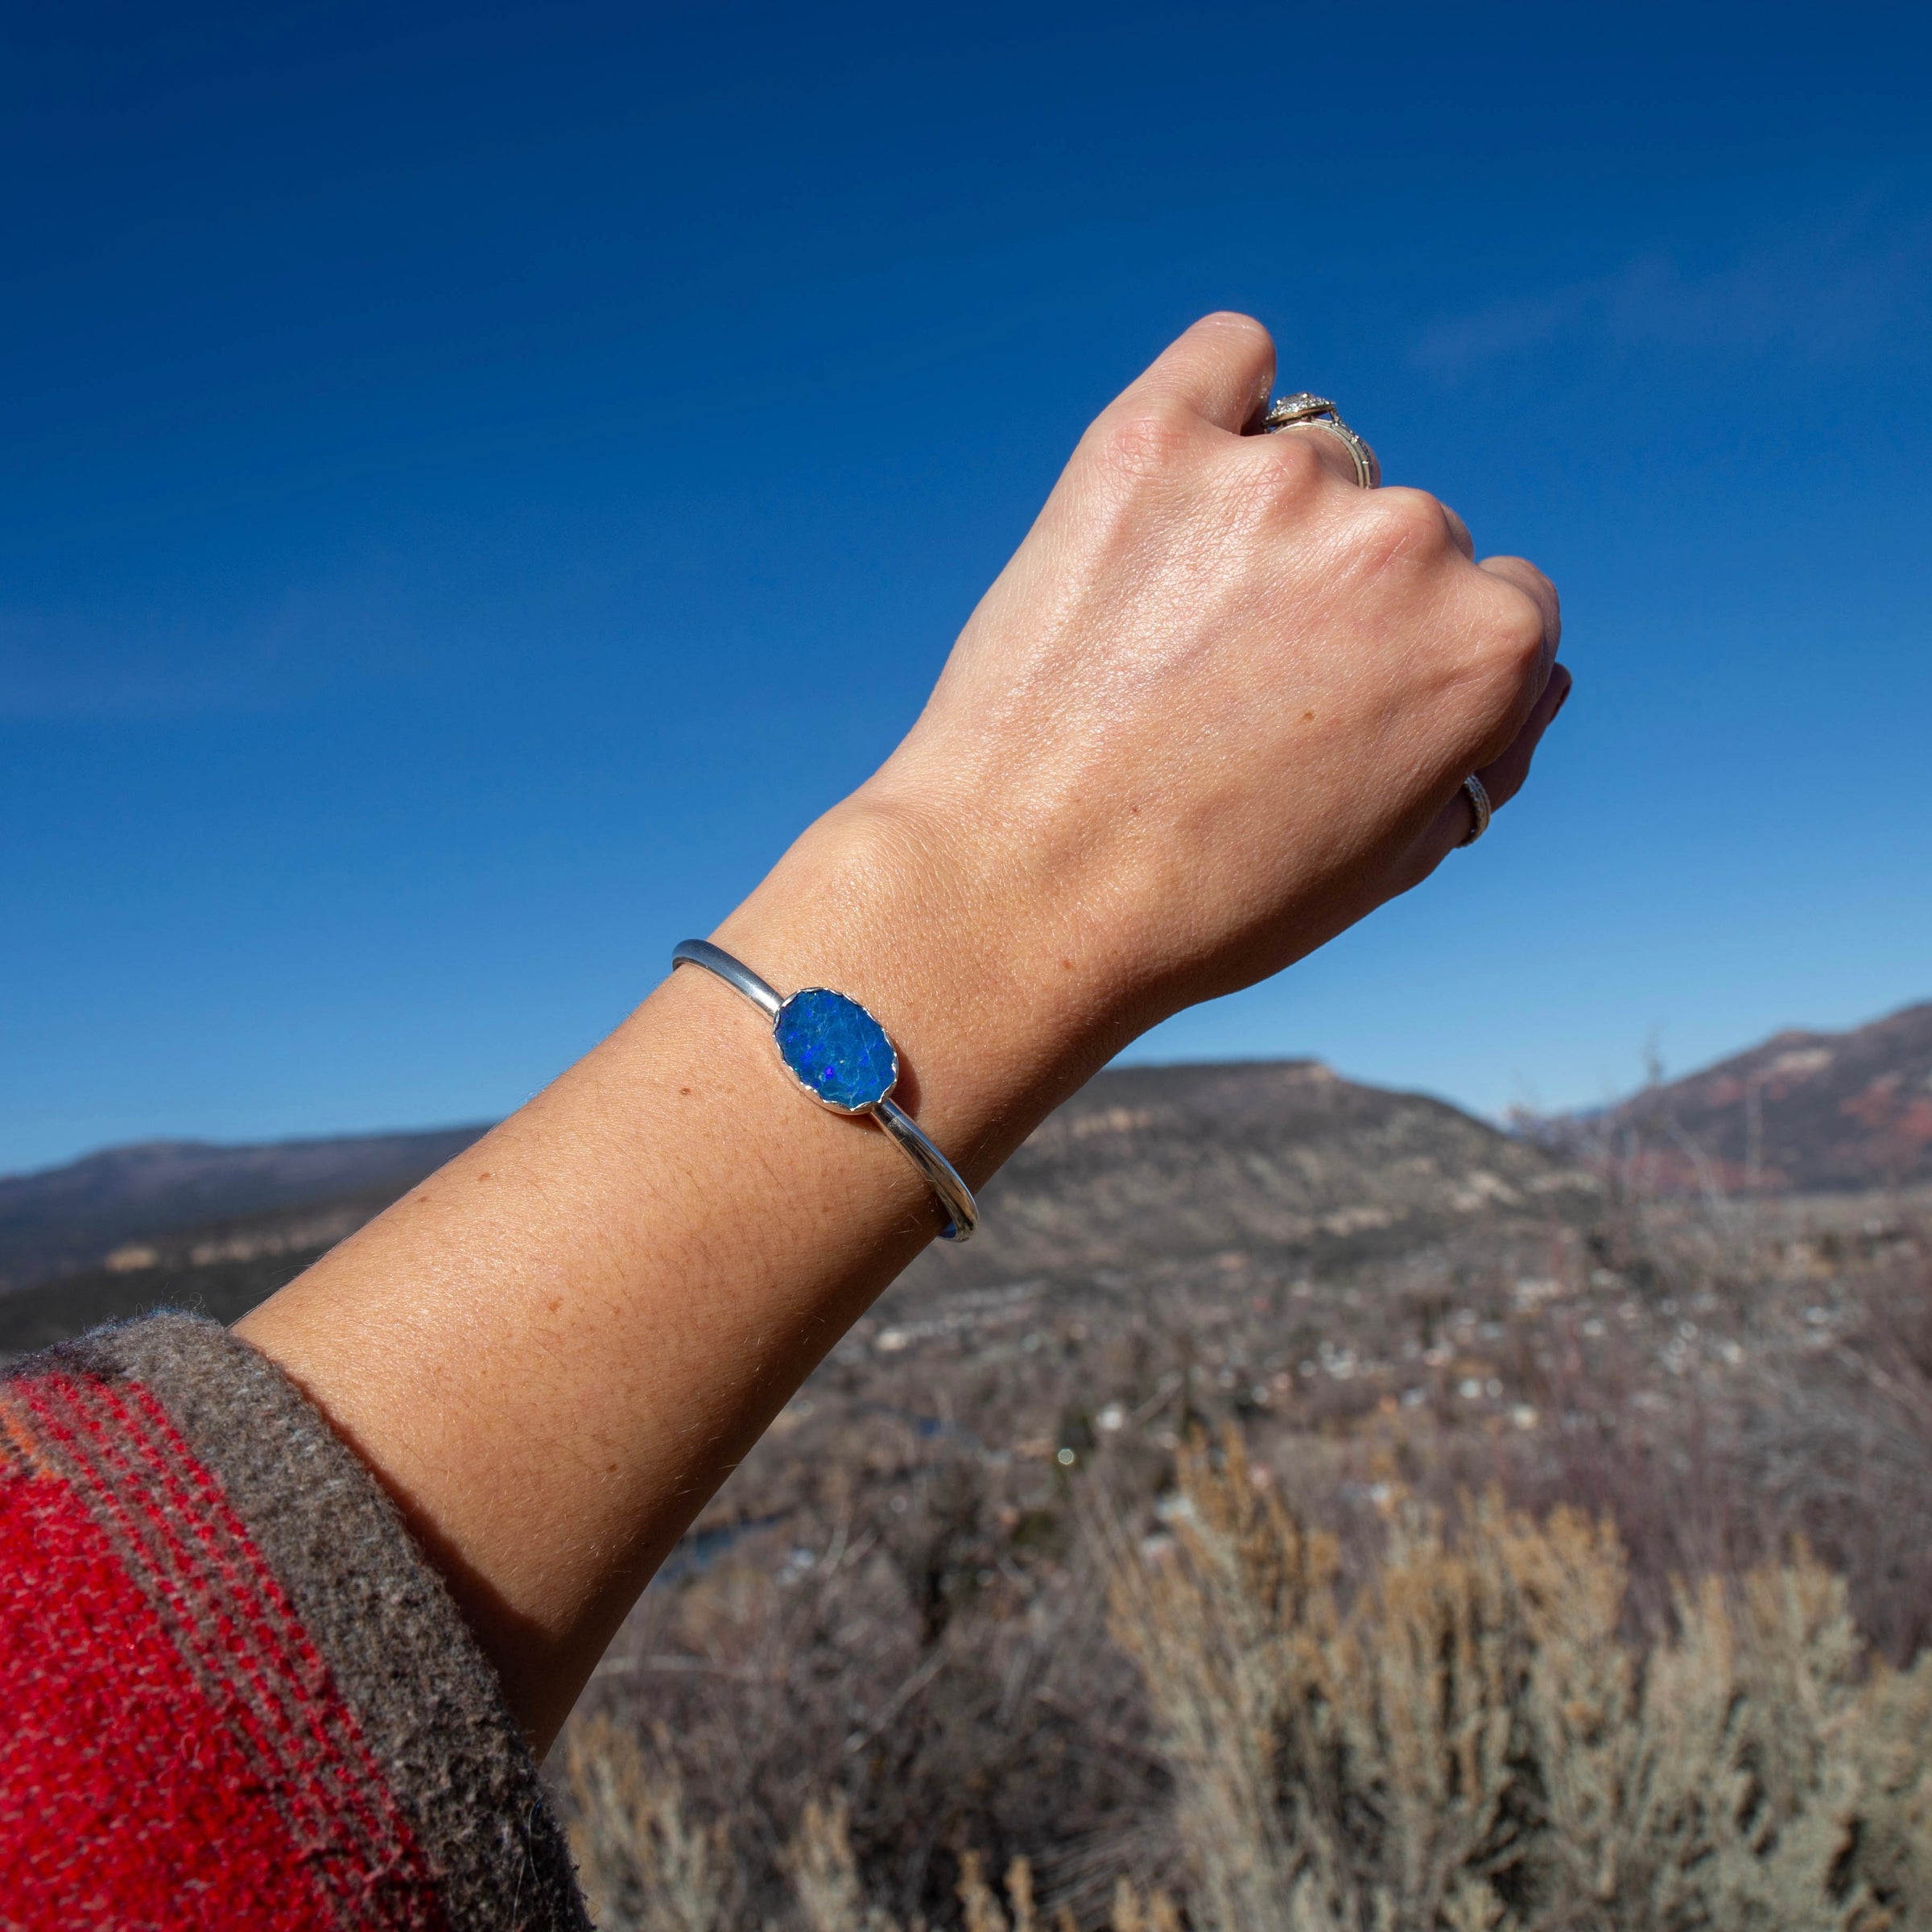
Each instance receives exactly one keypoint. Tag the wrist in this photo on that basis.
(884, 899)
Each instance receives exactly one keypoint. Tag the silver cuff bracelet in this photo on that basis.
(839, 1054)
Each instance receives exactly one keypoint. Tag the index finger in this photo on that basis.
(1222, 369)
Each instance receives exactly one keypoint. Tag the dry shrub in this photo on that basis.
(982, 1903)
(1839, 1446)
(1136, 1912)
(1471, 1742)
(1472, 1739)
(645, 1865)
(1334, 1709)
(831, 1897)
(825, 1875)
(1019, 1729)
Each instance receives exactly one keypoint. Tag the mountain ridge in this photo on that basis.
(61, 1219)
(1160, 1163)
(1147, 1162)
(1801, 1111)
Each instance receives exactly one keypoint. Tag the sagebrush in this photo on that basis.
(1467, 1739)
(1473, 1742)
(976, 1597)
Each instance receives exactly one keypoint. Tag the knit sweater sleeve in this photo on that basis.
(232, 1690)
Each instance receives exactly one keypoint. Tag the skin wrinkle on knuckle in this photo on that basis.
(1286, 473)
(1529, 597)
(1519, 635)
(1145, 439)
(1490, 663)
(1404, 523)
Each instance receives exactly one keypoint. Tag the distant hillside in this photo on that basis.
(1805, 1111)
(72, 1217)
(1153, 1162)
(1146, 1163)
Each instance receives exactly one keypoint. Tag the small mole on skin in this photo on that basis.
(1066, 965)
(1307, 717)
(683, 1090)
(484, 1175)
(556, 1303)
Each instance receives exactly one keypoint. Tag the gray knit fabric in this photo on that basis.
(402, 1656)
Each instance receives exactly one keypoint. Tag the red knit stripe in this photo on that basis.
(396, 1867)
(229, 1662)
(263, 1661)
(240, 1627)
(230, 1627)
(235, 1671)
(124, 1800)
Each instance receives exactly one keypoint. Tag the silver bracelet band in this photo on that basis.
(837, 1053)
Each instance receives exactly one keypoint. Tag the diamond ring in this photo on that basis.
(1305, 411)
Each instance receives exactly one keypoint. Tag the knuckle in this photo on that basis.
(1399, 525)
(1293, 464)
(1515, 633)
(1523, 576)
(1553, 605)
(1285, 471)
(1145, 438)
(1536, 577)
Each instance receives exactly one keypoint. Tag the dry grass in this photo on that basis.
(645, 1867)
(1469, 1741)
(1473, 1742)
(1664, 1677)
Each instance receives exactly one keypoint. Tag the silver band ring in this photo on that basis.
(939, 1172)
(1477, 794)
(1306, 411)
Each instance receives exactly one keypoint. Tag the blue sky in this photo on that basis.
(476, 481)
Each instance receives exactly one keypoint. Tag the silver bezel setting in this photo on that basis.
(1284, 412)
(812, 1093)
(898, 1126)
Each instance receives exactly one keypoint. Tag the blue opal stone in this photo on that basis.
(836, 1049)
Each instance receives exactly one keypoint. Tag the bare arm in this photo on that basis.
(1216, 709)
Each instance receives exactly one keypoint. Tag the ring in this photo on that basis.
(1305, 411)
(1474, 791)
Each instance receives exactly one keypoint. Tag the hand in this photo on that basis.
(1219, 706)
(1220, 703)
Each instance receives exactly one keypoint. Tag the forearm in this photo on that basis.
(555, 1351)
(1219, 706)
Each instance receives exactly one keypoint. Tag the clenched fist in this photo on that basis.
(1220, 703)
